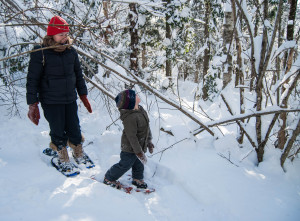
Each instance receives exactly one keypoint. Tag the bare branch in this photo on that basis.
(245, 116)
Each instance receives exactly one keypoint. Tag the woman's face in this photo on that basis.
(61, 37)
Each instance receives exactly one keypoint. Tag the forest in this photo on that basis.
(225, 49)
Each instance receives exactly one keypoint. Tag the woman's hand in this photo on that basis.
(34, 113)
(86, 102)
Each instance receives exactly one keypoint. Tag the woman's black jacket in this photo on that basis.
(53, 77)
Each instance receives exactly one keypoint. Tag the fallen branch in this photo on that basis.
(245, 116)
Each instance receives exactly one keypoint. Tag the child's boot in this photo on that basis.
(139, 183)
(115, 184)
(80, 156)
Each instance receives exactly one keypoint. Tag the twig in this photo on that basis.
(221, 155)
(168, 147)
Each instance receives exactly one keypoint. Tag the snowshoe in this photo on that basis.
(84, 160)
(145, 191)
(117, 185)
(49, 152)
(66, 168)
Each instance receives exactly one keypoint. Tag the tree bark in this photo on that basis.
(144, 55)
(169, 47)
(108, 31)
(266, 50)
(290, 143)
(259, 85)
(282, 135)
(227, 39)
(239, 73)
(252, 44)
(207, 50)
(134, 39)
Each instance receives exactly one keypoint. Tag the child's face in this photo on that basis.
(137, 100)
(61, 37)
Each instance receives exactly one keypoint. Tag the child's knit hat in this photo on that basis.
(54, 26)
(126, 99)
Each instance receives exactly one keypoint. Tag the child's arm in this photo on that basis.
(150, 145)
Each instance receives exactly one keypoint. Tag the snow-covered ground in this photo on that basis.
(193, 179)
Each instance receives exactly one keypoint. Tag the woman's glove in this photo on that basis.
(86, 102)
(34, 113)
(150, 147)
(142, 157)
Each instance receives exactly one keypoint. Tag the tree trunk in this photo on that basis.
(134, 39)
(207, 50)
(227, 39)
(108, 30)
(105, 8)
(144, 56)
(239, 73)
(259, 87)
(257, 16)
(282, 135)
(197, 72)
(198, 39)
(276, 76)
(169, 48)
(290, 143)
(252, 43)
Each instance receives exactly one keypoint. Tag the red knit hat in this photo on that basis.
(53, 27)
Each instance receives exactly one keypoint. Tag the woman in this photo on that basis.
(54, 76)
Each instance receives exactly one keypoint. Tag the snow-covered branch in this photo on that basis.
(246, 116)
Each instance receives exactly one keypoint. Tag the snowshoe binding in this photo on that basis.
(84, 159)
(80, 156)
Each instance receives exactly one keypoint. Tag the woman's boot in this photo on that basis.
(80, 156)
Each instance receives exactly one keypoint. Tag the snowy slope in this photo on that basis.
(192, 179)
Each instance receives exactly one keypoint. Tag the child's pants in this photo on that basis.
(128, 160)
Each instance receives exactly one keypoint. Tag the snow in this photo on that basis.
(286, 45)
(227, 7)
(199, 178)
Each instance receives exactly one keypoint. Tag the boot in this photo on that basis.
(139, 183)
(114, 184)
(80, 156)
(61, 151)
(63, 155)
(62, 161)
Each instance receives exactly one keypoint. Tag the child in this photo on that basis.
(135, 139)
(54, 77)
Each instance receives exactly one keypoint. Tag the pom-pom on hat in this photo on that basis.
(54, 26)
(126, 99)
